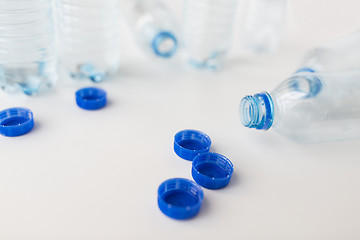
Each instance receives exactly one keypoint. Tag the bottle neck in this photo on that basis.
(164, 44)
(305, 69)
(257, 111)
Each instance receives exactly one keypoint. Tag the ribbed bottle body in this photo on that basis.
(264, 24)
(208, 27)
(27, 46)
(89, 37)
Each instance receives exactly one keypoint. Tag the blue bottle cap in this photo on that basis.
(91, 98)
(164, 44)
(189, 143)
(180, 198)
(16, 121)
(212, 170)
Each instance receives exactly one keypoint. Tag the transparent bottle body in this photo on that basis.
(208, 27)
(89, 37)
(154, 27)
(318, 107)
(308, 107)
(342, 54)
(264, 24)
(27, 46)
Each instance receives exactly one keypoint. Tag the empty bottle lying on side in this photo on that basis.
(153, 25)
(342, 54)
(308, 107)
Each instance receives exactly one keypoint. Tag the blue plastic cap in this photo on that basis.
(212, 170)
(16, 121)
(180, 198)
(91, 98)
(164, 44)
(189, 143)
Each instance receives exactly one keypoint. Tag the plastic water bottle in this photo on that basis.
(264, 24)
(343, 54)
(89, 37)
(208, 26)
(154, 27)
(308, 107)
(27, 46)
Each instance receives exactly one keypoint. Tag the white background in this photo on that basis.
(94, 175)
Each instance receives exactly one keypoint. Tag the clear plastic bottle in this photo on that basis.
(208, 27)
(342, 54)
(27, 46)
(308, 107)
(154, 26)
(89, 37)
(264, 24)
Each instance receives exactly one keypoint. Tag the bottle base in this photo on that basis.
(89, 71)
(214, 62)
(30, 80)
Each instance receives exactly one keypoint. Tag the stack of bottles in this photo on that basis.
(317, 103)
(88, 36)
(87, 39)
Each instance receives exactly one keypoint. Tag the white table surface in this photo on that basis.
(94, 175)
